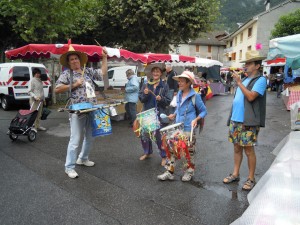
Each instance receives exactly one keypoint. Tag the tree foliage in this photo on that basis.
(287, 25)
(149, 25)
(49, 21)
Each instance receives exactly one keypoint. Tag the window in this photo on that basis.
(209, 48)
(197, 48)
(21, 73)
(241, 37)
(43, 73)
(249, 48)
(208, 57)
(110, 74)
(235, 41)
(241, 54)
(233, 56)
(231, 43)
(250, 32)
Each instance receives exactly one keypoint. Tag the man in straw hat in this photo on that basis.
(76, 72)
(190, 109)
(247, 116)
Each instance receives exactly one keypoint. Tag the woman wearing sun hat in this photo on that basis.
(188, 113)
(80, 125)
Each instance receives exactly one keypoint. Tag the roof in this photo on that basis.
(210, 38)
(256, 17)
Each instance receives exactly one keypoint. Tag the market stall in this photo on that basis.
(289, 48)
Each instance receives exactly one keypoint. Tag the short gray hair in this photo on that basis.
(129, 72)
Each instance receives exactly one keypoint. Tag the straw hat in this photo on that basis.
(186, 74)
(64, 58)
(252, 56)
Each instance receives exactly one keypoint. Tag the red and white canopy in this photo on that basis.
(94, 52)
(163, 58)
(275, 62)
(180, 60)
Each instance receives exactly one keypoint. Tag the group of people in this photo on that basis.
(246, 117)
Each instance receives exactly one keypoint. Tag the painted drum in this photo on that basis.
(148, 120)
(81, 106)
(101, 122)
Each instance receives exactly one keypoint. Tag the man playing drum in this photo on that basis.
(75, 62)
(190, 109)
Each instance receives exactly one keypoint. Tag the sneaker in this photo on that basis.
(42, 128)
(85, 162)
(71, 173)
(166, 176)
(188, 175)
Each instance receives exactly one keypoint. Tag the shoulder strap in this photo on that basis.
(194, 100)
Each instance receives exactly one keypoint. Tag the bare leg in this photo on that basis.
(238, 158)
(250, 153)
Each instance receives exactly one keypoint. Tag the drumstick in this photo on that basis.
(191, 136)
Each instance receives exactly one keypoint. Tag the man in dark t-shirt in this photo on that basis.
(173, 85)
(279, 81)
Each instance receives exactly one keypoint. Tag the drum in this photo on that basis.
(148, 120)
(101, 122)
(81, 106)
(172, 130)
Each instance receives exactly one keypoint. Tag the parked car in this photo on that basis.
(117, 76)
(15, 83)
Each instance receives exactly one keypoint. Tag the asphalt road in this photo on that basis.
(120, 189)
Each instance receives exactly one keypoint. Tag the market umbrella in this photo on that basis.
(287, 47)
(94, 52)
(163, 58)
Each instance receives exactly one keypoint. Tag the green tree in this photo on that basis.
(8, 38)
(49, 21)
(149, 25)
(287, 25)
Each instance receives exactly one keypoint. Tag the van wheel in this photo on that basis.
(4, 103)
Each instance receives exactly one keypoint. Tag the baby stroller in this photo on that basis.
(22, 124)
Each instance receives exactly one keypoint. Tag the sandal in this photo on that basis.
(248, 185)
(230, 179)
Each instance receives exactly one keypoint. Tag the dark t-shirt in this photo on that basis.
(171, 82)
(279, 78)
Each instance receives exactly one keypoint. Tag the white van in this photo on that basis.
(117, 76)
(15, 82)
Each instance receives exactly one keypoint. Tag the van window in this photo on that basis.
(21, 73)
(43, 71)
(110, 74)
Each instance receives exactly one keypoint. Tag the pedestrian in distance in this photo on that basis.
(37, 97)
(81, 125)
(155, 94)
(188, 112)
(279, 81)
(247, 115)
(173, 85)
(131, 95)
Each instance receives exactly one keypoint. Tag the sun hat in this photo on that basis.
(64, 58)
(252, 56)
(186, 74)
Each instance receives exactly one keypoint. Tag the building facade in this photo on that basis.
(255, 31)
(208, 46)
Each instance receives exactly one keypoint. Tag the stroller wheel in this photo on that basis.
(13, 136)
(32, 135)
